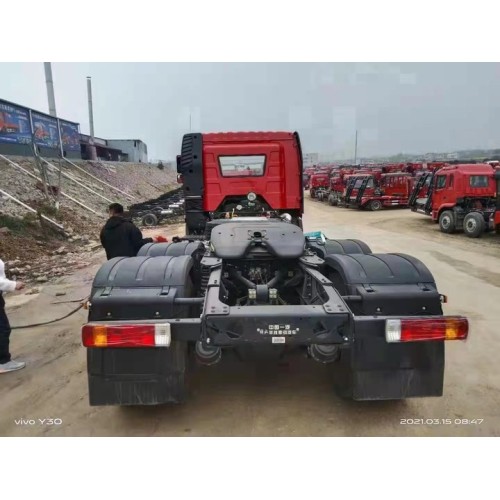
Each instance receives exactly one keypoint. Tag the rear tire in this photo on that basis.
(447, 222)
(375, 205)
(474, 225)
(150, 220)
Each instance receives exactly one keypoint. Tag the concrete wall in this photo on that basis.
(137, 150)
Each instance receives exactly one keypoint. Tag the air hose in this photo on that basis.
(51, 321)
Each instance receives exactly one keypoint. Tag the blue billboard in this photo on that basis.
(70, 136)
(45, 130)
(15, 125)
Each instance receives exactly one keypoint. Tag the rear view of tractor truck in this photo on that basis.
(246, 281)
(319, 182)
(462, 197)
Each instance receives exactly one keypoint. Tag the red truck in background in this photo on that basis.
(319, 181)
(378, 190)
(337, 185)
(459, 197)
(495, 223)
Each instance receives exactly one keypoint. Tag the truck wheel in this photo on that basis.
(149, 220)
(474, 225)
(312, 192)
(447, 222)
(375, 205)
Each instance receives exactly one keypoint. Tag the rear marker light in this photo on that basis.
(127, 335)
(425, 329)
(162, 334)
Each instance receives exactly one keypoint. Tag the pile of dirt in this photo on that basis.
(37, 252)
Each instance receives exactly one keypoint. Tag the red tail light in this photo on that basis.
(129, 335)
(418, 329)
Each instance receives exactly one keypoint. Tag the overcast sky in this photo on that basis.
(397, 107)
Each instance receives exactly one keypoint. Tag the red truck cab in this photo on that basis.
(319, 182)
(240, 174)
(461, 196)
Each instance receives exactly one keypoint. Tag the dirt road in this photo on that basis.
(292, 400)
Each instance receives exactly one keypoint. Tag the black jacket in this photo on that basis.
(120, 237)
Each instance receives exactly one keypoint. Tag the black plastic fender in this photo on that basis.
(139, 288)
(386, 285)
(171, 249)
(195, 249)
(335, 247)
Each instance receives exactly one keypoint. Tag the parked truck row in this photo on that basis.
(458, 196)
(367, 187)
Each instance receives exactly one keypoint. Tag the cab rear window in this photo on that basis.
(478, 181)
(242, 166)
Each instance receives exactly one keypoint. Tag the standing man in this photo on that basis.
(6, 363)
(120, 237)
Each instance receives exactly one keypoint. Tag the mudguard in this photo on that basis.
(128, 288)
(335, 247)
(195, 249)
(386, 285)
(171, 249)
(139, 288)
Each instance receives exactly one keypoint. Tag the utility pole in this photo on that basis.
(91, 151)
(91, 112)
(189, 120)
(356, 148)
(50, 88)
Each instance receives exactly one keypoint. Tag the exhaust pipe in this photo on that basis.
(324, 353)
(207, 355)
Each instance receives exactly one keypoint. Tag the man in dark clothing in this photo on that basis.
(120, 237)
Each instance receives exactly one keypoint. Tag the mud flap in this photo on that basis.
(375, 370)
(386, 285)
(137, 376)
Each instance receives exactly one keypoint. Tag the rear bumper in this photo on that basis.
(369, 368)
(303, 325)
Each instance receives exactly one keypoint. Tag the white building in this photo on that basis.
(136, 150)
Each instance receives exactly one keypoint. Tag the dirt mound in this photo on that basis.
(34, 250)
